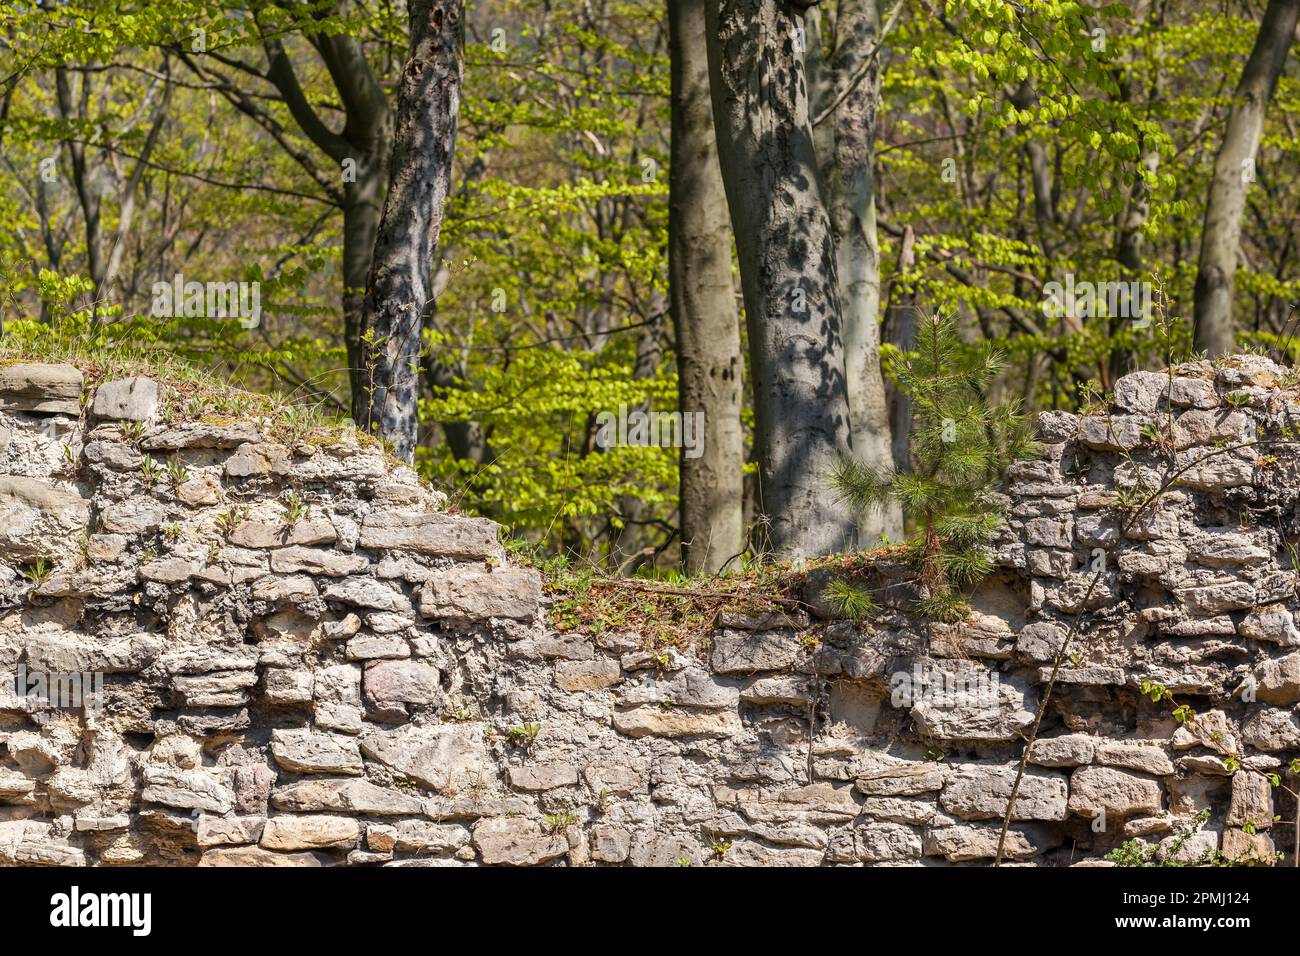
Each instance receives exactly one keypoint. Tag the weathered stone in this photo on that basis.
(200, 435)
(1198, 427)
(996, 709)
(287, 687)
(38, 518)
(517, 842)
(345, 796)
(466, 593)
(753, 853)
(442, 757)
(187, 789)
(168, 571)
(1040, 641)
(883, 842)
(256, 458)
(36, 843)
(300, 560)
(1141, 392)
(1272, 730)
(60, 653)
(367, 592)
(397, 682)
(431, 532)
(576, 676)
(651, 720)
(1112, 432)
(302, 832)
(128, 399)
(1252, 800)
(1215, 598)
(820, 803)
(1273, 623)
(1120, 793)
(1135, 756)
(1194, 850)
(691, 687)
(1068, 750)
(259, 534)
(610, 843)
(228, 831)
(1210, 728)
(1193, 392)
(373, 647)
(542, 776)
(256, 856)
(741, 652)
(214, 689)
(417, 836)
(913, 811)
(1249, 849)
(31, 387)
(1278, 680)
(791, 691)
(304, 751)
(980, 792)
(962, 844)
(902, 780)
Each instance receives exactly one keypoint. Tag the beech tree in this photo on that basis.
(709, 363)
(788, 275)
(357, 150)
(398, 289)
(1234, 171)
(844, 72)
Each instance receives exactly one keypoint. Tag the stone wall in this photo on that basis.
(308, 659)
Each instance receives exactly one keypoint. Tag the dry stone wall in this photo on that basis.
(291, 652)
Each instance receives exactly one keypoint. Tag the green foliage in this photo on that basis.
(1136, 853)
(1020, 142)
(962, 444)
(850, 601)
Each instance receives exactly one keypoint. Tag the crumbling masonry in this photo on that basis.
(306, 660)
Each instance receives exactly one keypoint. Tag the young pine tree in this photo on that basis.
(961, 447)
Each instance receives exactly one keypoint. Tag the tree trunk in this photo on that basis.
(1233, 172)
(703, 304)
(89, 199)
(362, 206)
(901, 325)
(787, 271)
(399, 284)
(847, 155)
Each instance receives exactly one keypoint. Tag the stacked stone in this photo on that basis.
(272, 622)
(1178, 500)
(309, 659)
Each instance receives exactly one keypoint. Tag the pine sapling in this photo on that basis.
(962, 444)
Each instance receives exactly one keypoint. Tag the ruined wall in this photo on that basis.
(306, 659)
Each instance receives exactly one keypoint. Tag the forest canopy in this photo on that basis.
(529, 241)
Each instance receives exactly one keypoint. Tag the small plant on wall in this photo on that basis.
(962, 444)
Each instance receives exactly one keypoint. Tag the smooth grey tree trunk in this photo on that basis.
(360, 151)
(703, 304)
(845, 104)
(399, 285)
(787, 271)
(1221, 235)
(362, 205)
(901, 326)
